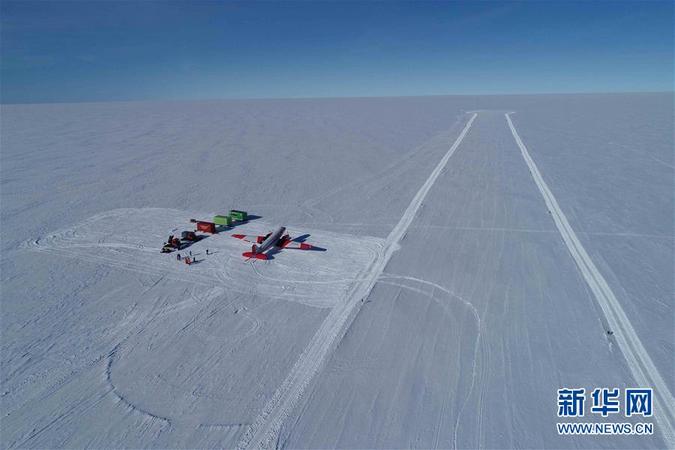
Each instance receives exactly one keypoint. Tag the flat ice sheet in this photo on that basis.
(478, 318)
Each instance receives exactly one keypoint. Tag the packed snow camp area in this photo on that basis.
(467, 257)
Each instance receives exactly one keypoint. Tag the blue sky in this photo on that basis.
(153, 50)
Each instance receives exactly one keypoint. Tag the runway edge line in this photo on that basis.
(640, 364)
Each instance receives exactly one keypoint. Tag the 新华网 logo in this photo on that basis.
(605, 402)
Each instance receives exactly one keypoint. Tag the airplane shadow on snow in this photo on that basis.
(274, 250)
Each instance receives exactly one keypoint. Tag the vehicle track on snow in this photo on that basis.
(266, 427)
(477, 343)
(642, 367)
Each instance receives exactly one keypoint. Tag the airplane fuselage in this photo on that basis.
(271, 240)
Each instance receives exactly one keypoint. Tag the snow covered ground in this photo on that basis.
(446, 311)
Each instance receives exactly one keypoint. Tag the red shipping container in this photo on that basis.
(206, 227)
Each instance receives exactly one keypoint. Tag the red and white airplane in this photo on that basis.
(276, 239)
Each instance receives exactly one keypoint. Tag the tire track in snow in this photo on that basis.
(477, 342)
(640, 364)
(266, 427)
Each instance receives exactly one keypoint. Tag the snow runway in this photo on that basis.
(267, 426)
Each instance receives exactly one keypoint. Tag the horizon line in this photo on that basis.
(327, 97)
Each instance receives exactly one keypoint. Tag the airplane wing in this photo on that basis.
(297, 245)
(252, 238)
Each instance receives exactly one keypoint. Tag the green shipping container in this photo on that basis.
(222, 220)
(238, 215)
